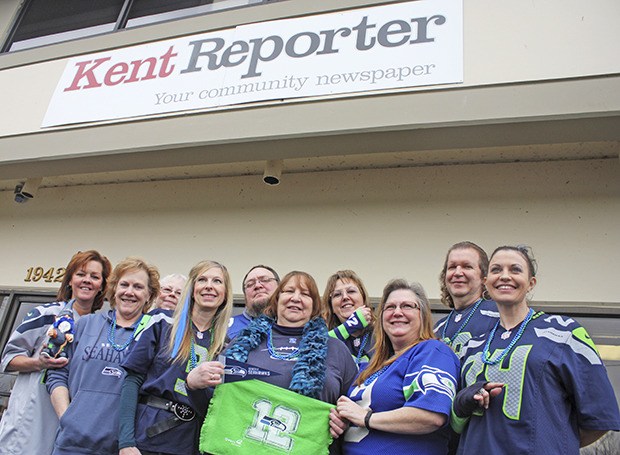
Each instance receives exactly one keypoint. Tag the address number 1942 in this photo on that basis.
(51, 275)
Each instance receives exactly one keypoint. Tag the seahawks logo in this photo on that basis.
(430, 379)
(235, 370)
(110, 371)
(272, 422)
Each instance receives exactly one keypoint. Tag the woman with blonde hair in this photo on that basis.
(401, 402)
(156, 414)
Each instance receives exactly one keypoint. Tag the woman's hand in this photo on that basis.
(48, 363)
(337, 425)
(351, 411)
(207, 374)
(25, 364)
(490, 389)
(129, 451)
(475, 396)
(368, 314)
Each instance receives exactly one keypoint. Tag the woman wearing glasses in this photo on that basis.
(348, 314)
(401, 402)
(171, 288)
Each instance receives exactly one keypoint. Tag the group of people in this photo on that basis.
(157, 373)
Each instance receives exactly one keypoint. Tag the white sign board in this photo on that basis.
(407, 44)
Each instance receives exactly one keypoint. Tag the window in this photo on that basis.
(42, 22)
(45, 22)
(151, 11)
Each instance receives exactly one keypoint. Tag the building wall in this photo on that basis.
(382, 223)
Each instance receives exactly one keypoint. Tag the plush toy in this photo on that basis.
(60, 333)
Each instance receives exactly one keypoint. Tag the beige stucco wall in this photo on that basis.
(382, 223)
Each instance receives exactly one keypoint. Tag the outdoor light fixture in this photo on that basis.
(273, 172)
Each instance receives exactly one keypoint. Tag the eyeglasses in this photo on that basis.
(339, 294)
(169, 290)
(261, 279)
(405, 307)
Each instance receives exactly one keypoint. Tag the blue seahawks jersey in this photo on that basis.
(555, 383)
(481, 322)
(151, 357)
(423, 377)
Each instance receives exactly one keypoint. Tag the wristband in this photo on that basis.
(360, 315)
(367, 419)
(355, 322)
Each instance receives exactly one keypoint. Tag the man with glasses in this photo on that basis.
(258, 286)
(171, 288)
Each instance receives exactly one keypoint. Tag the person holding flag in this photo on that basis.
(288, 347)
(156, 415)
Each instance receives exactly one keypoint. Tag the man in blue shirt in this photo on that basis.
(258, 285)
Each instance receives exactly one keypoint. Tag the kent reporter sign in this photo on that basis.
(393, 46)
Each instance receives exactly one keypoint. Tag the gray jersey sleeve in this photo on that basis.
(29, 336)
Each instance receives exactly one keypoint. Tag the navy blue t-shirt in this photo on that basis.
(340, 367)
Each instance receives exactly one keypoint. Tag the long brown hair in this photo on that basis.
(384, 351)
(78, 262)
(343, 275)
(523, 250)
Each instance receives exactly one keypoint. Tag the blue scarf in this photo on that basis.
(309, 370)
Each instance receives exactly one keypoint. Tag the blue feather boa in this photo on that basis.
(309, 370)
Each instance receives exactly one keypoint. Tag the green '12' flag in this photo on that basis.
(254, 417)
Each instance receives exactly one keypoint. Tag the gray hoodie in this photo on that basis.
(93, 378)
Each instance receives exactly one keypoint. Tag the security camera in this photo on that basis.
(24, 191)
(273, 172)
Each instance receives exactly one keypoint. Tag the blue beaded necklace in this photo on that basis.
(360, 352)
(460, 329)
(375, 375)
(112, 335)
(272, 349)
(486, 357)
